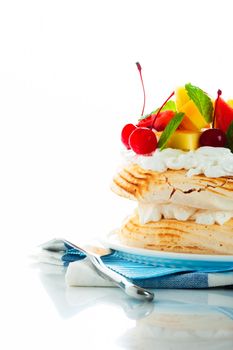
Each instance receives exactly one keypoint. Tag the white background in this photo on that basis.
(68, 83)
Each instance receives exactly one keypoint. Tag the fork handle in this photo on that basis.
(129, 288)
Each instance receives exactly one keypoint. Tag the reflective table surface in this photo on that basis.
(42, 312)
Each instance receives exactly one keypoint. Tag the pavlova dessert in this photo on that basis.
(179, 169)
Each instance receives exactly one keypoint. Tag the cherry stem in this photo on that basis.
(143, 88)
(219, 93)
(156, 115)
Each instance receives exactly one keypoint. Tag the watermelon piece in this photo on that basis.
(223, 115)
(161, 120)
(146, 122)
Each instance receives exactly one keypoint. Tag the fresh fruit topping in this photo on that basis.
(160, 122)
(188, 125)
(229, 135)
(163, 119)
(213, 137)
(184, 139)
(201, 100)
(170, 129)
(219, 93)
(223, 115)
(194, 116)
(168, 106)
(143, 141)
(125, 134)
(181, 97)
(230, 103)
(160, 109)
(190, 113)
(196, 105)
(143, 88)
(147, 121)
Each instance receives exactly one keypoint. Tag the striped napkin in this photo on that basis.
(141, 270)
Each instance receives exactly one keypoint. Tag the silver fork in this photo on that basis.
(94, 254)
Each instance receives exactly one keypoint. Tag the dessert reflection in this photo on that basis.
(178, 318)
(194, 302)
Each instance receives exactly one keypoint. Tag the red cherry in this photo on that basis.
(143, 141)
(213, 137)
(125, 134)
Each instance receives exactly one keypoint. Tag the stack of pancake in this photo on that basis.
(176, 213)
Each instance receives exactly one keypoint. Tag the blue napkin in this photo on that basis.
(150, 273)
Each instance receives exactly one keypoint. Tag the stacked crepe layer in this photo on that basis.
(178, 236)
(173, 186)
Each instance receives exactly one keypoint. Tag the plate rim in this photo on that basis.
(109, 242)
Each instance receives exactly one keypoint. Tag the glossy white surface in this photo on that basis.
(45, 314)
(39, 311)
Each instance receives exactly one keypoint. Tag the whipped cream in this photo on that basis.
(154, 212)
(210, 161)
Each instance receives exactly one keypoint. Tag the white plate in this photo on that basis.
(167, 258)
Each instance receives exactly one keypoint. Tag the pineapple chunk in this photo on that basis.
(193, 119)
(185, 140)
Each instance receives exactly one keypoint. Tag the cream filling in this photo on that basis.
(210, 161)
(154, 212)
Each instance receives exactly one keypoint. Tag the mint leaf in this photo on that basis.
(201, 100)
(169, 106)
(170, 129)
(229, 135)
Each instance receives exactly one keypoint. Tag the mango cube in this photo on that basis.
(181, 97)
(186, 124)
